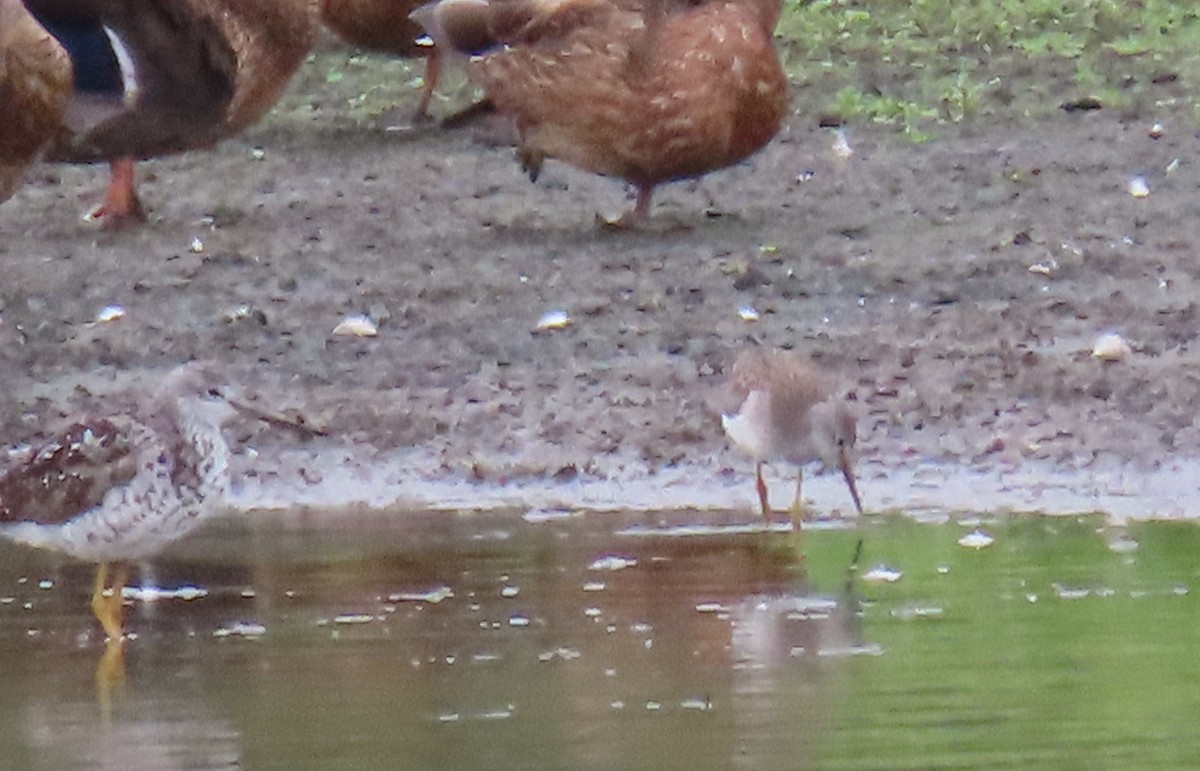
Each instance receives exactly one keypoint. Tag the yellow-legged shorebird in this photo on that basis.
(120, 488)
(789, 411)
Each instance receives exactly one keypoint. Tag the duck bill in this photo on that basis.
(848, 474)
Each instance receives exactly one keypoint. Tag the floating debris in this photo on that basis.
(1138, 187)
(197, 246)
(565, 654)
(552, 320)
(352, 619)
(711, 607)
(155, 593)
(432, 596)
(1111, 347)
(882, 574)
(698, 705)
(541, 516)
(613, 563)
(450, 717)
(594, 586)
(45, 583)
(356, 325)
(913, 612)
(257, 153)
(110, 313)
(510, 591)
(518, 622)
(748, 314)
(976, 539)
(241, 630)
(1123, 544)
(1070, 592)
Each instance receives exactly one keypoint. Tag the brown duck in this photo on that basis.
(650, 91)
(154, 77)
(35, 85)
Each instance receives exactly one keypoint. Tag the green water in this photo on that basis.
(711, 648)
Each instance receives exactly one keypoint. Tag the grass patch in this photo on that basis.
(918, 64)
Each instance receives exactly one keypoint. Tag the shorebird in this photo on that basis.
(117, 489)
(789, 411)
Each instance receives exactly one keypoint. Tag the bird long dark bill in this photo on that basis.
(272, 419)
(848, 475)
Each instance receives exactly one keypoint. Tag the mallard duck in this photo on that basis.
(788, 410)
(154, 77)
(384, 25)
(35, 84)
(649, 91)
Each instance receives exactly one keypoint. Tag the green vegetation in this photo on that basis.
(921, 63)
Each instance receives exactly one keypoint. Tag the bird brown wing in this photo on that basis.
(649, 92)
(35, 84)
(205, 69)
(67, 475)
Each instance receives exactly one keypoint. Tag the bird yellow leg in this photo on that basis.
(110, 675)
(107, 601)
(797, 509)
(761, 486)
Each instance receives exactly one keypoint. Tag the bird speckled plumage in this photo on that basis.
(154, 77)
(119, 488)
(650, 91)
(789, 411)
(35, 85)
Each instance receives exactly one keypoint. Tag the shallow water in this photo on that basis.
(515, 640)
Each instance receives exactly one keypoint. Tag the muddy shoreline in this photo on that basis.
(956, 287)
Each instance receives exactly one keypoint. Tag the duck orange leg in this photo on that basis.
(107, 601)
(638, 214)
(121, 206)
(433, 69)
(761, 486)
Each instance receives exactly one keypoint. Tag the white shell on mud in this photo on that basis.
(882, 574)
(197, 246)
(257, 153)
(1111, 347)
(110, 313)
(1138, 187)
(747, 313)
(1157, 130)
(553, 320)
(612, 562)
(976, 539)
(356, 325)
(841, 145)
